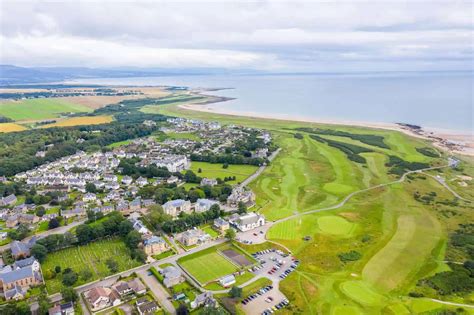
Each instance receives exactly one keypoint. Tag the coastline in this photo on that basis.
(454, 142)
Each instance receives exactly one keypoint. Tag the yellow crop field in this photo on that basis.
(77, 121)
(11, 127)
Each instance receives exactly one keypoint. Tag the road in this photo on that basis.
(160, 293)
(59, 230)
(443, 183)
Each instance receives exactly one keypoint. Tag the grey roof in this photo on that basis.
(16, 289)
(171, 272)
(24, 262)
(154, 240)
(17, 274)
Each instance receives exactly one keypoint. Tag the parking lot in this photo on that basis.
(255, 236)
(275, 265)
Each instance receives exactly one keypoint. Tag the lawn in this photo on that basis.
(78, 121)
(182, 135)
(90, 257)
(198, 265)
(209, 170)
(11, 127)
(335, 225)
(37, 109)
(119, 143)
(361, 293)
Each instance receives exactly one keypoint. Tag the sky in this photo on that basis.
(278, 36)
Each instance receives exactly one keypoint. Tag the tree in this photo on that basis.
(242, 208)
(20, 233)
(40, 211)
(199, 170)
(225, 165)
(69, 278)
(39, 251)
(84, 234)
(182, 309)
(210, 310)
(230, 234)
(53, 223)
(85, 274)
(43, 303)
(235, 292)
(125, 227)
(112, 265)
(57, 269)
(90, 187)
(132, 239)
(69, 294)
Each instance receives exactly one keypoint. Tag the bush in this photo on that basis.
(350, 256)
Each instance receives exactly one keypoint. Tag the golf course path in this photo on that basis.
(260, 170)
(452, 303)
(443, 183)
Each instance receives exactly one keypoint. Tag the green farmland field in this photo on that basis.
(207, 265)
(37, 109)
(88, 257)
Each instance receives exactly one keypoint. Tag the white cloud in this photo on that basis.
(290, 35)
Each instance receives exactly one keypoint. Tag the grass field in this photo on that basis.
(199, 265)
(90, 257)
(335, 225)
(208, 170)
(361, 293)
(78, 121)
(37, 109)
(11, 127)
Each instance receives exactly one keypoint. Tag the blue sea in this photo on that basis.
(434, 100)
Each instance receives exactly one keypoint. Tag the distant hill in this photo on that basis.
(13, 75)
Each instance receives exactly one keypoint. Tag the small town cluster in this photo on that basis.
(82, 188)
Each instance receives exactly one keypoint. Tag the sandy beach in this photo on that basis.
(454, 142)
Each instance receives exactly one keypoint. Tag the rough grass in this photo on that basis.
(209, 170)
(207, 265)
(90, 257)
(37, 109)
(335, 225)
(78, 121)
(361, 293)
(11, 127)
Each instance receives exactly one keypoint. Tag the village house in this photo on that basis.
(89, 197)
(172, 180)
(240, 195)
(174, 163)
(175, 207)
(194, 237)
(203, 205)
(101, 297)
(227, 281)
(21, 249)
(141, 181)
(147, 308)
(208, 182)
(8, 200)
(247, 221)
(204, 299)
(140, 227)
(171, 276)
(155, 245)
(62, 309)
(127, 180)
(221, 225)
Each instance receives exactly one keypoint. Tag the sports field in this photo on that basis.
(208, 170)
(90, 257)
(78, 121)
(11, 127)
(37, 109)
(207, 265)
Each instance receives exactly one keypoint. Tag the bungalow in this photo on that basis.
(62, 309)
(247, 221)
(12, 221)
(203, 299)
(147, 308)
(221, 225)
(122, 288)
(203, 205)
(172, 276)
(76, 212)
(140, 227)
(227, 281)
(175, 207)
(141, 181)
(137, 286)
(148, 203)
(172, 180)
(155, 245)
(135, 204)
(28, 218)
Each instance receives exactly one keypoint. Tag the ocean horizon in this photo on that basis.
(433, 100)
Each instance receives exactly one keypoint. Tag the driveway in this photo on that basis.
(160, 293)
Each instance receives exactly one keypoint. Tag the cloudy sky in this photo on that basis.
(263, 35)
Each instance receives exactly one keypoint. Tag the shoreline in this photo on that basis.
(455, 142)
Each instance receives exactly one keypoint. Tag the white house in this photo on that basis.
(248, 221)
(203, 205)
(174, 163)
